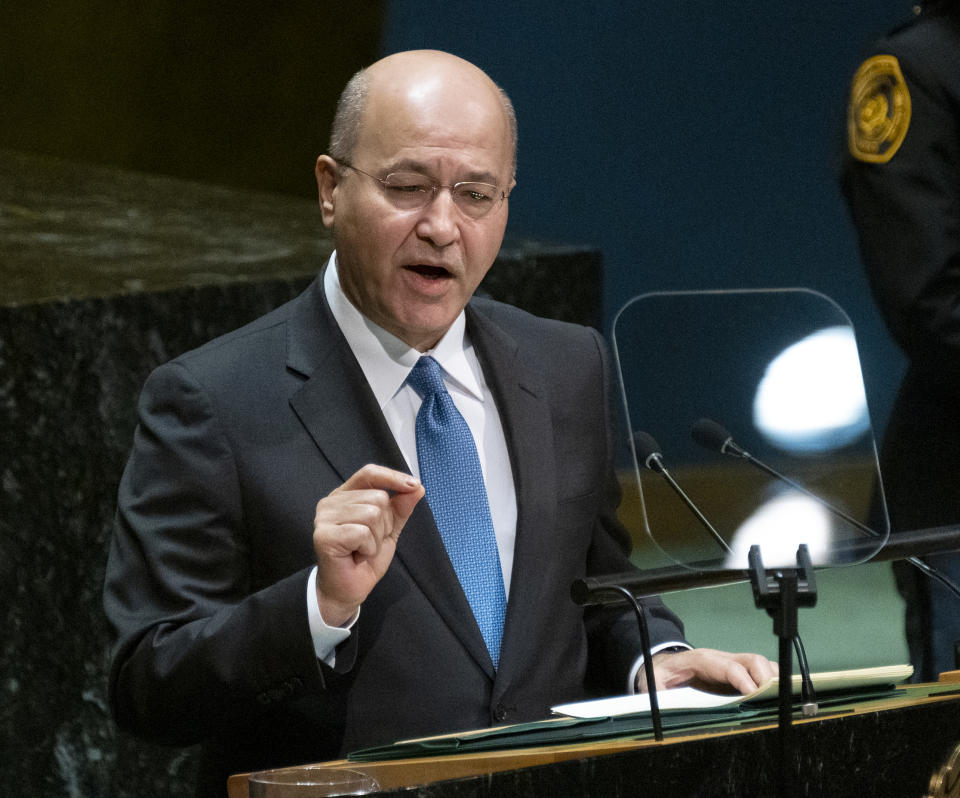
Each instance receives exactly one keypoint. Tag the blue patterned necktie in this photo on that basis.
(450, 472)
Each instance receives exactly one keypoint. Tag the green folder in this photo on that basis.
(835, 690)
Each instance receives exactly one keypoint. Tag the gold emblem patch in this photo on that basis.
(879, 112)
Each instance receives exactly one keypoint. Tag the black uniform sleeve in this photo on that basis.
(906, 208)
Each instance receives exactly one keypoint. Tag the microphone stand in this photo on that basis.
(781, 592)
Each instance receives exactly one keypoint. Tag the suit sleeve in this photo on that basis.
(907, 216)
(614, 633)
(194, 648)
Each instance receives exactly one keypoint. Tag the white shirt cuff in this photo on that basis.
(325, 638)
(638, 664)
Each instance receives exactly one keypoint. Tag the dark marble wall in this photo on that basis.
(104, 275)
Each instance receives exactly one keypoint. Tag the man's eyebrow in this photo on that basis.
(406, 165)
(417, 167)
(481, 177)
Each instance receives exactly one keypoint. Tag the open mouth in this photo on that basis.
(430, 272)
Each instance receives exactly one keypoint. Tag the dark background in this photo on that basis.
(230, 93)
(696, 143)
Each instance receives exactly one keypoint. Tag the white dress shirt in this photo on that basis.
(386, 362)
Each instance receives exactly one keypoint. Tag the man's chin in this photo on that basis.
(423, 331)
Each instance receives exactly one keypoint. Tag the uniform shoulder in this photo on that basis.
(925, 36)
(909, 78)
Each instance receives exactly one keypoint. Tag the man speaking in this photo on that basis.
(357, 519)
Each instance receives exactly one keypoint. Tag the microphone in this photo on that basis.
(711, 435)
(648, 452)
(714, 436)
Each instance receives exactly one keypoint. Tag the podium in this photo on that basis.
(885, 746)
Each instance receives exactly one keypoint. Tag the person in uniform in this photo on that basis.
(901, 179)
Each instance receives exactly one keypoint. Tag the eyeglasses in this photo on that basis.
(410, 191)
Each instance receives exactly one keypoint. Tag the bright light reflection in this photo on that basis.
(811, 397)
(779, 526)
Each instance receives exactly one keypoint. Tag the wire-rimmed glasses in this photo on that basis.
(409, 191)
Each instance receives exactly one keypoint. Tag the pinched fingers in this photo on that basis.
(393, 493)
(353, 521)
(355, 534)
(372, 492)
(380, 478)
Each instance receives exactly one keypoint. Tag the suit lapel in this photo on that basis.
(335, 404)
(520, 395)
(341, 413)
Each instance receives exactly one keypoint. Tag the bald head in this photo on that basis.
(417, 79)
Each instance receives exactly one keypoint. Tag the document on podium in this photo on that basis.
(689, 698)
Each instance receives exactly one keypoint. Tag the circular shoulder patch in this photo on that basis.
(879, 112)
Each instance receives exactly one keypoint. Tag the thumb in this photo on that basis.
(402, 504)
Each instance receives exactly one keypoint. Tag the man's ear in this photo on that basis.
(328, 178)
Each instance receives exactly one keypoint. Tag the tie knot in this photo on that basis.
(426, 378)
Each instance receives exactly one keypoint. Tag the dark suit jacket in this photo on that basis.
(206, 582)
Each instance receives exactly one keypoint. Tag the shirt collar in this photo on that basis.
(386, 361)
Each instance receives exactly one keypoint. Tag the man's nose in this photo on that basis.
(440, 220)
